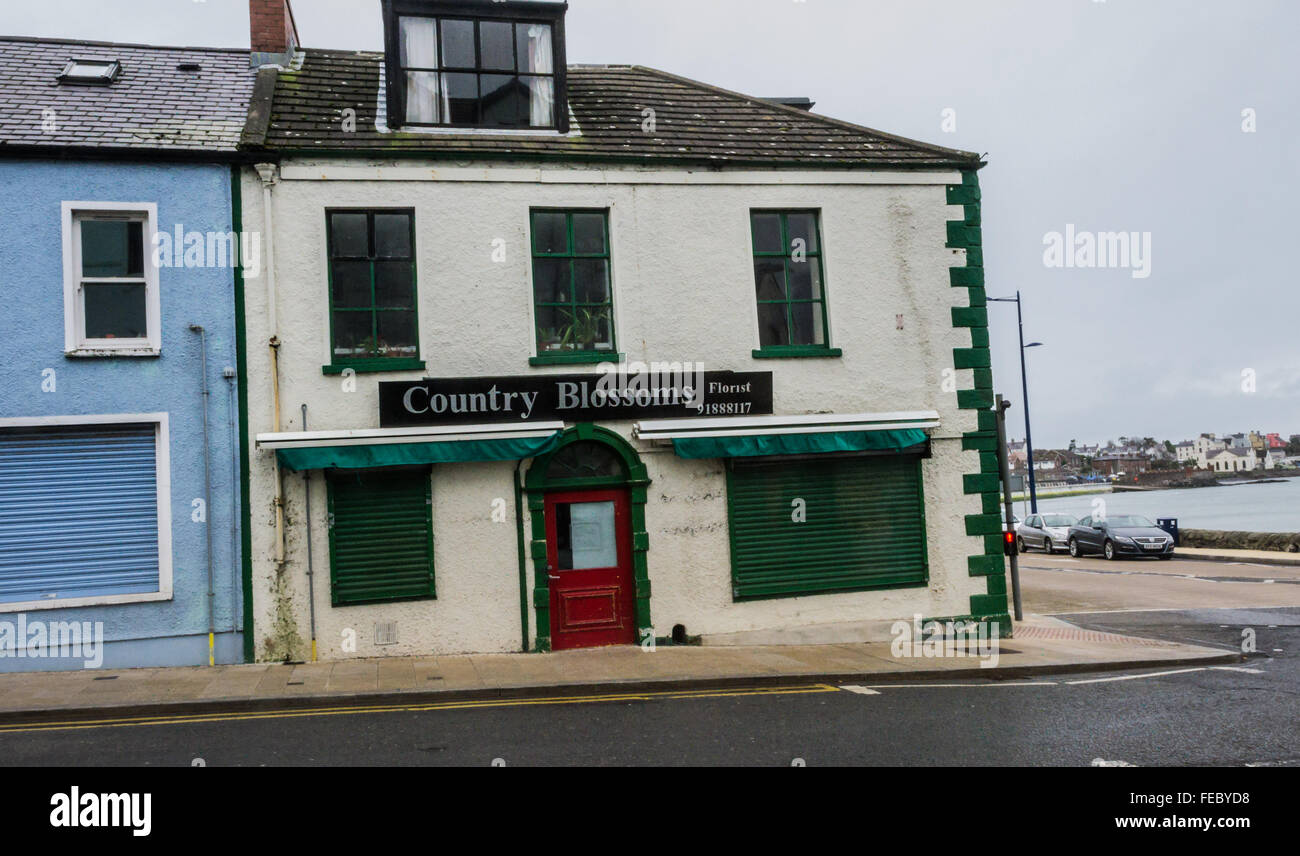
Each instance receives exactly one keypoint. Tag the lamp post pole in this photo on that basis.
(1004, 474)
(1024, 387)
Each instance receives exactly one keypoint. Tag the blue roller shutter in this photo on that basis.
(862, 526)
(78, 512)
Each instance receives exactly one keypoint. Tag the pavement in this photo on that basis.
(1239, 714)
(1040, 645)
(1056, 588)
(1262, 557)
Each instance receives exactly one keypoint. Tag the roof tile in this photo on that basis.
(694, 122)
(151, 105)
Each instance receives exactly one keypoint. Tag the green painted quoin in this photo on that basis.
(965, 234)
(634, 477)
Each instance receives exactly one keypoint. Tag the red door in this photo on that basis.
(589, 565)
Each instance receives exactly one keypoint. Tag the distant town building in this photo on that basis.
(1064, 459)
(1232, 460)
(1117, 464)
(1205, 444)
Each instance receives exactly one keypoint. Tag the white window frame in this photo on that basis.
(75, 343)
(162, 463)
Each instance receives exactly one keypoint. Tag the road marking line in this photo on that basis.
(946, 686)
(854, 688)
(1248, 671)
(78, 725)
(1249, 606)
(1135, 677)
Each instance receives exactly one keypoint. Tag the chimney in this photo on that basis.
(273, 34)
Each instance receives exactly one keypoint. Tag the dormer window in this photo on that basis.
(476, 65)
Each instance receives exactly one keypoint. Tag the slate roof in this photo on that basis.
(1240, 453)
(150, 106)
(696, 123)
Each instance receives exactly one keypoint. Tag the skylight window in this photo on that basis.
(101, 71)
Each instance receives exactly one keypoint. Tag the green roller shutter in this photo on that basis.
(381, 536)
(863, 525)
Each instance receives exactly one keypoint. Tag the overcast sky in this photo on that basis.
(1119, 115)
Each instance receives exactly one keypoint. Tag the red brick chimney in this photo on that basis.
(273, 32)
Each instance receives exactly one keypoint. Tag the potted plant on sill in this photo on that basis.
(549, 339)
(583, 332)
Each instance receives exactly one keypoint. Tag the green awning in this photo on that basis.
(760, 445)
(413, 454)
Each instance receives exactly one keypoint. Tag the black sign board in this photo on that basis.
(574, 398)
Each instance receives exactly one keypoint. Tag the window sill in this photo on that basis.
(891, 584)
(796, 351)
(90, 600)
(576, 358)
(381, 600)
(487, 130)
(92, 352)
(375, 366)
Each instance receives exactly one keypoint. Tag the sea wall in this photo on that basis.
(1285, 542)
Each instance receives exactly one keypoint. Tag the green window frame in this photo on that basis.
(823, 524)
(790, 284)
(381, 535)
(573, 293)
(373, 291)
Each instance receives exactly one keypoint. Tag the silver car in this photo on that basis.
(1047, 532)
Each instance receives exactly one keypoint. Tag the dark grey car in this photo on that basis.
(1119, 535)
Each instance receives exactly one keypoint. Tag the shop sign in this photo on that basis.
(592, 397)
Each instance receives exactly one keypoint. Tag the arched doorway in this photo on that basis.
(586, 500)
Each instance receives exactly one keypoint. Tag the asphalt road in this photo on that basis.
(1209, 716)
(1057, 585)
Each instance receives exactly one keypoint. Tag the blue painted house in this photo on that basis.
(120, 381)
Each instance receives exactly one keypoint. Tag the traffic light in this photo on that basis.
(1009, 544)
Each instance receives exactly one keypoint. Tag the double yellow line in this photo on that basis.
(198, 718)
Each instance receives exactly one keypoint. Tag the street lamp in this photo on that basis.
(1024, 385)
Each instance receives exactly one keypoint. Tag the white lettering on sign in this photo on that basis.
(417, 400)
(620, 390)
(571, 396)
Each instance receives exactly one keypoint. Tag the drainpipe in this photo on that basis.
(229, 374)
(523, 562)
(311, 590)
(267, 172)
(207, 493)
